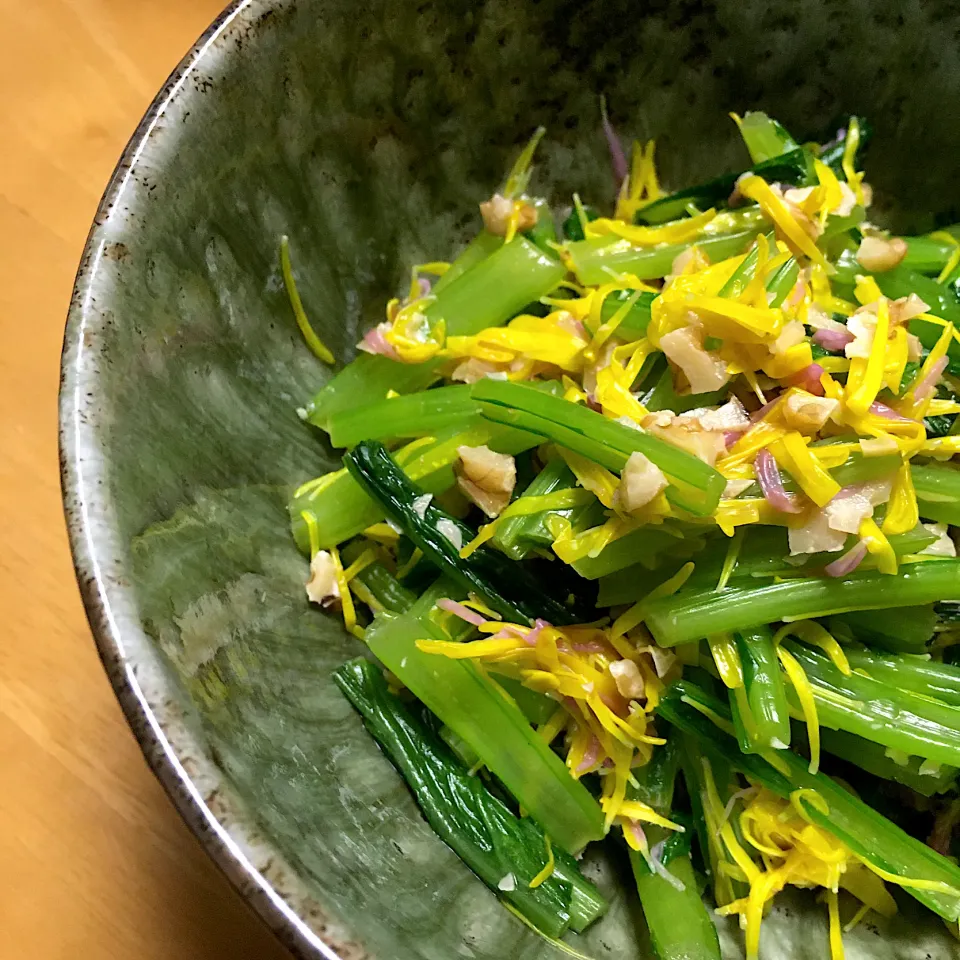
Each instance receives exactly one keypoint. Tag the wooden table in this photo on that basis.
(94, 862)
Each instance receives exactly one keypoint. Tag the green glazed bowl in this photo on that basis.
(369, 133)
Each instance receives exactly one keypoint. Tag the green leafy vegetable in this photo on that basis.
(507, 852)
(868, 834)
(760, 713)
(679, 923)
(794, 167)
(913, 772)
(694, 485)
(340, 508)
(916, 725)
(478, 710)
(898, 630)
(413, 415)
(514, 593)
(691, 615)
(487, 294)
(595, 260)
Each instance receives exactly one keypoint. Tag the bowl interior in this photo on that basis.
(368, 134)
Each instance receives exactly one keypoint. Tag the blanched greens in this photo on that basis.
(666, 501)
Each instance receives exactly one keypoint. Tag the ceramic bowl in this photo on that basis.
(368, 133)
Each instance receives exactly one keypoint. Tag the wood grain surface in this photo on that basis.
(94, 861)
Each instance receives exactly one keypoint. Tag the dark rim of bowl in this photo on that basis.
(157, 749)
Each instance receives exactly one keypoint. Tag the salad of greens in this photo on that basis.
(647, 521)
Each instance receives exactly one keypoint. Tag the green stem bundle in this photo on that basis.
(486, 294)
(869, 835)
(892, 716)
(512, 591)
(761, 716)
(340, 508)
(692, 615)
(476, 709)
(491, 840)
(694, 485)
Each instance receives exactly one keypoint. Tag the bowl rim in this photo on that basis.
(99, 590)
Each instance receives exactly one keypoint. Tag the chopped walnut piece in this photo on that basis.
(497, 211)
(878, 255)
(486, 477)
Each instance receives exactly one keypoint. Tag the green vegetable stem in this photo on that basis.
(507, 852)
(490, 722)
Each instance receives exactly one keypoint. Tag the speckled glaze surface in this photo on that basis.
(368, 133)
